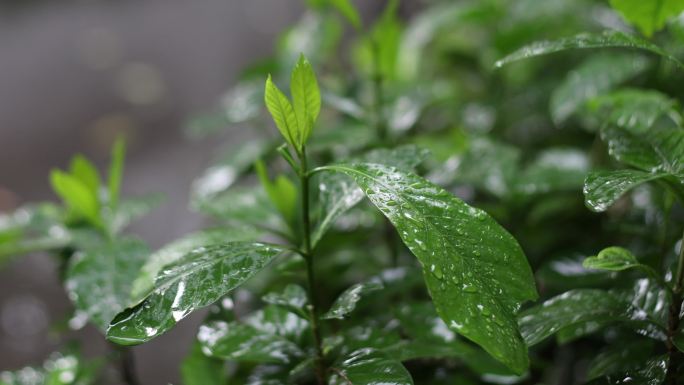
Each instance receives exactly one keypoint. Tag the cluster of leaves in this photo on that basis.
(465, 161)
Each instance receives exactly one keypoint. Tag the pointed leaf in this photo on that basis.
(346, 302)
(369, 367)
(306, 98)
(661, 150)
(79, 199)
(603, 188)
(196, 280)
(606, 39)
(86, 172)
(283, 114)
(612, 258)
(468, 259)
(99, 280)
(116, 171)
(648, 16)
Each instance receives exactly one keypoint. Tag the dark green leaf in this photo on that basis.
(198, 279)
(468, 259)
(593, 77)
(346, 302)
(603, 188)
(369, 367)
(488, 165)
(606, 39)
(198, 369)
(99, 280)
(651, 372)
(661, 150)
(648, 16)
(621, 357)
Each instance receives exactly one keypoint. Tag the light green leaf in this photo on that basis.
(283, 114)
(306, 98)
(369, 367)
(661, 150)
(612, 258)
(116, 171)
(346, 302)
(99, 280)
(468, 259)
(198, 279)
(634, 110)
(347, 9)
(596, 75)
(83, 170)
(198, 369)
(293, 298)
(554, 169)
(79, 199)
(144, 283)
(606, 39)
(648, 16)
(603, 188)
(282, 192)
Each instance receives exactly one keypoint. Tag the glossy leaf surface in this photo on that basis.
(603, 188)
(369, 367)
(198, 279)
(612, 258)
(634, 110)
(346, 302)
(469, 261)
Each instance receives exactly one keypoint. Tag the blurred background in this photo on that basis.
(73, 74)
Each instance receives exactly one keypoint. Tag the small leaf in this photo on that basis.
(198, 369)
(293, 298)
(606, 39)
(603, 188)
(347, 9)
(648, 16)
(306, 98)
(79, 199)
(346, 302)
(283, 114)
(596, 75)
(99, 280)
(613, 259)
(116, 171)
(369, 367)
(85, 171)
(196, 280)
(468, 259)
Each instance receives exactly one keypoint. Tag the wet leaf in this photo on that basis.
(369, 367)
(648, 16)
(651, 372)
(58, 369)
(346, 302)
(32, 228)
(596, 75)
(554, 169)
(606, 39)
(198, 369)
(489, 165)
(468, 259)
(196, 280)
(603, 188)
(99, 280)
(293, 298)
(661, 150)
(620, 358)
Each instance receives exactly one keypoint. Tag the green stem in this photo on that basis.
(673, 319)
(308, 256)
(127, 365)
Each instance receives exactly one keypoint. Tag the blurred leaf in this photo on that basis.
(648, 16)
(116, 171)
(99, 280)
(468, 259)
(172, 252)
(132, 209)
(347, 9)
(606, 39)
(651, 372)
(620, 358)
(346, 302)
(198, 369)
(376, 54)
(369, 367)
(282, 192)
(603, 188)
(344, 105)
(554, 169)
(79, 199)
(316, 35)
(660, 150)
(306, 98)
(489, 165)
(196, 280)
(83, 170)
(293, 298)
(596, 75)
(612, 258)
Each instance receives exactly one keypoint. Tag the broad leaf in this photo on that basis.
(488, 165)
(293, 298)
(468, 259)
(144, 283)
(306, 98)
(346, 302)
(283, 114)
(99, 280)
(651, 372)
(617, 358)
(198, 369)
(347, 9)
(603, 188)
(554, 169)
(369, 367)
(606, 39)
(198, 279)
(648, 16)
(593, 77)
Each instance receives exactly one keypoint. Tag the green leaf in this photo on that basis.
(116, 171)
(132, 209)
(347, 9)
(603, 188)
(174, 251)
(83, 170)
(618, 358)
(648, 16)
(468, 259)
(32, 228)
(606, 39)
(293, 298)
(58, 369)
(283, 114)
(282, 193)
(612, 258)
(268, 336)
(596, 75)
(661, 150)
(306, 98)
(99, 280)
(554, 169)
(79, 199)
(489, 165)
(346, 302)
(198, 369)
(198, 279)
(369, 367)
(337, 193)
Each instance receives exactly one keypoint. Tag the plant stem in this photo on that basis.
(673, 319)
(308, 256)
(127, 365)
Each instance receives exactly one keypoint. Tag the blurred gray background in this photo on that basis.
(72, 75)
